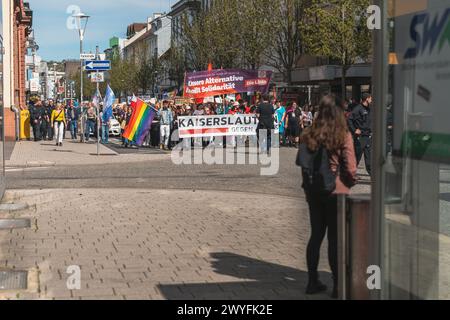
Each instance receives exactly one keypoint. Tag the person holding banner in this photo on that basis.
(265, 113)
(166, 122)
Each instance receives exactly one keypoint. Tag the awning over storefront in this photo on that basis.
(329, 73)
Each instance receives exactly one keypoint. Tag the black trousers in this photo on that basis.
(155, 135)
(363, 146)
(44, 130)
(323, 217)
(37, 131)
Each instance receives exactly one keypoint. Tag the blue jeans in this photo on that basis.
(90, 126)
(265, 140)
(74, 129)
(105, 133)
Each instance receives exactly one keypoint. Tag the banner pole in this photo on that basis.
(97, 57)
(184, 85)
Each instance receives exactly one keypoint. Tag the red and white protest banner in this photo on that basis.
(217, 126)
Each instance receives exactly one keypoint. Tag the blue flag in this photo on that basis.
(108, 104)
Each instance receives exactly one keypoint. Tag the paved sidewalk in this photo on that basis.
(46, 153)
(144, 244)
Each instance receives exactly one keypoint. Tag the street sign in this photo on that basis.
(87, 56)
(98, 77)
(100, 65)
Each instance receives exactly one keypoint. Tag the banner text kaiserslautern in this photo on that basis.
(217, 126)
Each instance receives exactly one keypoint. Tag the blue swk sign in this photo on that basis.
(428, 32)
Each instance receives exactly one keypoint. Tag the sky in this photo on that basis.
(108, 18)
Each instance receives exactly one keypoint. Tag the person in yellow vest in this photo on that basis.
(58, 121)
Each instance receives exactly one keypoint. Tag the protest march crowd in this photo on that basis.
(50, 121)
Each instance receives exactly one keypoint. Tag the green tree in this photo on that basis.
(89, 88)
(337, 29)
(256, 30)
(121, 76)
(147, 67)
(232, 33)
(286, 44)
(224, 34)
(197, 41)
(176, 65)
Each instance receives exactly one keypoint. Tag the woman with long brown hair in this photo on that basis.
(327, 157)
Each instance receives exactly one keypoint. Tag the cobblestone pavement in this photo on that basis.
(46, 153)
(159, 244)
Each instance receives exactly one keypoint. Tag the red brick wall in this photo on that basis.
(20, 33)
(19, 65)
(10, 125)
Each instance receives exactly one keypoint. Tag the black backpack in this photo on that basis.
(317, 175)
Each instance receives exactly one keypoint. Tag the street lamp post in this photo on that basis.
(81, 20)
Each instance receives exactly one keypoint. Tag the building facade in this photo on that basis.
(136, 46)
(160, 39)
(159, 44)
(183, 9)
(116, 47)
(17, 22)
(314, 76)
(33, 63)
(2, 94)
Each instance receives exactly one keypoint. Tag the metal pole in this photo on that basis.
(380, 85)
(342, 247)
(81, 90)
(309, 95)
(72, 91)
(55, 89)
(97, 57)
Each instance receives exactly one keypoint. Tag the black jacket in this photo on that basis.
(37, 113)
(361, 119)
(266, 112)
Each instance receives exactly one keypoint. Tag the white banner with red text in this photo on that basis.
(217, 126)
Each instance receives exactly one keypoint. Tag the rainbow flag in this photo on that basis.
(140, 122)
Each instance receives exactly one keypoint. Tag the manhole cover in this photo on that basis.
(13, 280)
(7, 224)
